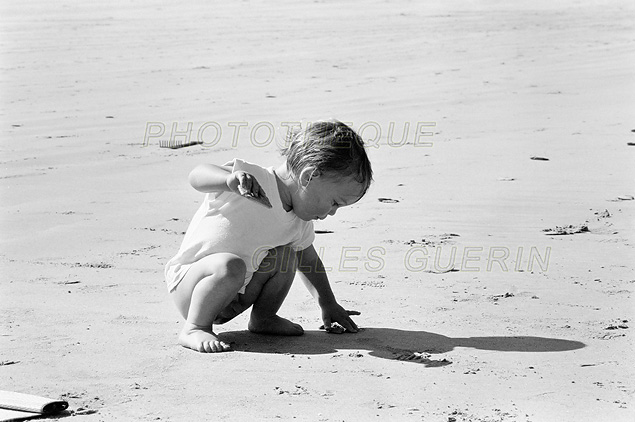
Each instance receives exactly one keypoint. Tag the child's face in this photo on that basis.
(324, 195)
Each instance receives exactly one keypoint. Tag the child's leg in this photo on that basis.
(267, 290)
(207, 288)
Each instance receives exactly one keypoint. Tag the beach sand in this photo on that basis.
(471, 312)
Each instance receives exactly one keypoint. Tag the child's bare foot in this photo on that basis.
(201, 339)
(274, 325)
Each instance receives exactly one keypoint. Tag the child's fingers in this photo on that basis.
(256, 188)
(262, 196)
(244, 183)
(248, 187)
(339, 327)
(335, 329)
(247, 183)
(327, 324)
(258, 193)
(347, 322)
(349, 325)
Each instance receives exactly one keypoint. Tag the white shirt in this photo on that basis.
(227, 222)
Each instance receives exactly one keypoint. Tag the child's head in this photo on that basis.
(332, 149)
(328, 162)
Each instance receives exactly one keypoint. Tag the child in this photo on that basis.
(254, 229)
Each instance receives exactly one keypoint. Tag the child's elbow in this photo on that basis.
(194, 178)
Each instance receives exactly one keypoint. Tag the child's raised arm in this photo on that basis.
(212, 178)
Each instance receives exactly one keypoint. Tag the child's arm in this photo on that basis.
(314, 276)
(212, 178)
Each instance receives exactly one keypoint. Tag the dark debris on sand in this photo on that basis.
(567, 230)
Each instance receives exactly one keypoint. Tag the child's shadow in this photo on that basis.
(390, 343)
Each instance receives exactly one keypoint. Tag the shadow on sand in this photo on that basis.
(389, 343)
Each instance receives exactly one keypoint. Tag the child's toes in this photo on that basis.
(206, 347)
(222, 346)
(214, 346)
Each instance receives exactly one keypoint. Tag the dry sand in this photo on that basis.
(91, 212)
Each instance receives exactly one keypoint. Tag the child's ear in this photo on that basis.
(307, 174)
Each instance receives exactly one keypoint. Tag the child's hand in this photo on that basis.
(246, 185)
(336, 318)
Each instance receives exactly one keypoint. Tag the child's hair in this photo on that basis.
(333, 148)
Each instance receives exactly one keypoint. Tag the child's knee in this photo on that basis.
(233, 269)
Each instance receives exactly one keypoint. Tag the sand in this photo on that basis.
(503, 322)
